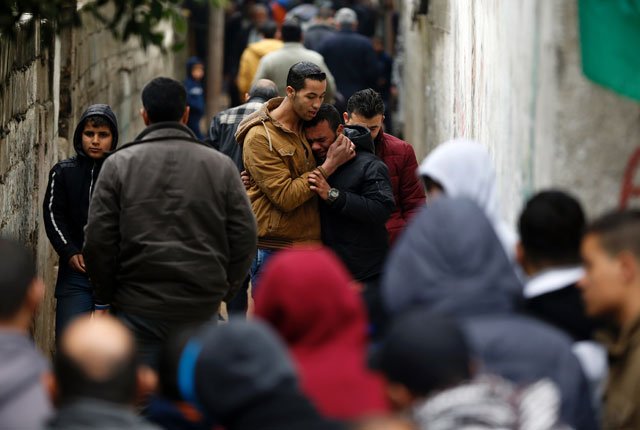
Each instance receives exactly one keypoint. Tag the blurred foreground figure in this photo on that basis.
(551, 227)
(463, 168)
(309, 298)
(611, 290)
(97, 378)
(451, 261)
(240, 376)
(427, 363)
(23, 399)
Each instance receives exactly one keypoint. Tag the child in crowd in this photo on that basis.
(66, 205)
(195, 94)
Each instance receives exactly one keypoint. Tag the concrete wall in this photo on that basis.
(507, 73)
(45, 84)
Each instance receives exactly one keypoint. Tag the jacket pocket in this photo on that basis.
(275, 217)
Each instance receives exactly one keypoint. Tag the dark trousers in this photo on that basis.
(152, 333)
(74, 297)
(378, 317)
(239, 304)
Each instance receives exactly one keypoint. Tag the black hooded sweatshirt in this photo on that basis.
(353, 226)
(66, 202)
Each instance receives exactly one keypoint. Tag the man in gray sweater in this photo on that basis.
(24, 403)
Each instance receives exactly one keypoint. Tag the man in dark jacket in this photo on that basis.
(170, 230)
(97, 378)
(367, 108)
(357, 198)
(321, 28)
(350, 56)
(451, 262)
(66, 206)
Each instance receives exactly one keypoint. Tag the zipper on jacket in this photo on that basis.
(91, 183)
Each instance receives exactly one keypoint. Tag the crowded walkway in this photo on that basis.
(288, 263)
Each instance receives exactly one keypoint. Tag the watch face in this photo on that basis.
(333, 193)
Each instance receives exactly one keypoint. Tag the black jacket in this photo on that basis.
(71, 182)
(352, 61)
(354, 225)
(170, 229)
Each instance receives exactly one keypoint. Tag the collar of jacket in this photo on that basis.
(619, 342)
(292, 45)
(180, 130)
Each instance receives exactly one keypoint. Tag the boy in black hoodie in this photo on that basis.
(66, 205)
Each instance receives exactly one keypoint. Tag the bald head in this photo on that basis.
(96, 359)
(263, 89)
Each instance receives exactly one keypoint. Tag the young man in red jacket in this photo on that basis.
(366, 107)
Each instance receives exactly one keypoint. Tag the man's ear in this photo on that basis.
(629, 266)
(399, 396)
(50, 385)
(521, 256)
(345, 117)
(246, 97)
(35, 295)
(185, 116)
(290, 91)
(146, 382)
(145, 116)
(339, 130)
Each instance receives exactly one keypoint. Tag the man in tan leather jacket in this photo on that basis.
(279, 160)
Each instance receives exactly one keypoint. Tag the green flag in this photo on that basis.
(610, 41)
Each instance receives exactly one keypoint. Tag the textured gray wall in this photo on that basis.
(507, 73)
(45, 85)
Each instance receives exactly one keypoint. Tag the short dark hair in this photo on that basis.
(17, 272)
(164, 99)
(98, 121)
(551, 226)
(263, 89)
(326, 113)
(424, 352)
(367, 103)
(291, 31)
(268, 29)
(301, 71)
(618, 231)
(118, 386)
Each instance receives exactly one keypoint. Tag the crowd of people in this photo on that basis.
(386, 294)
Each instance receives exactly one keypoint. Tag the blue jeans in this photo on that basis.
(262, 256)
(74, 294)
(240, 303)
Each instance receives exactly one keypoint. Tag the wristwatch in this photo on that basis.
(333, 195)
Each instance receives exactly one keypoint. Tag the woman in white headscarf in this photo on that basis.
(462, 167)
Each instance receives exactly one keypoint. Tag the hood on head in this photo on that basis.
(102, 110)
(192, 61)
(225, 368)
(360, 136)
(465, 169)
(451, 260)
(307, 295)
